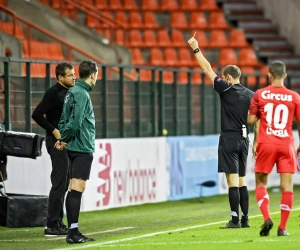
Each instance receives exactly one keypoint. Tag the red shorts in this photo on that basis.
(284, 156)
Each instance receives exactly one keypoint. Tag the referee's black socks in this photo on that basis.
(234, 202)
(244, 202)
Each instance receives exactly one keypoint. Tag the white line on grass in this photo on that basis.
(154, 234)
(101, 232)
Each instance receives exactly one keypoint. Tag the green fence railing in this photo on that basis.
(123, 107)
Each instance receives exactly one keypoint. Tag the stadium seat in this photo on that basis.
(130, 5)
(218, 39)
(209, 5)
(170, 56)
(238, 39)
(101, 4)
(121, 17)
(137, 57)
(163, 38)
(150, 5)
(150, 20)
(169, 5)
(218, 21)
(156, 57)
(135, 38)
(135, 20)
(251, 79)
(185, 58)
(120, 36)
(183, 76)
(177, 38)
(227, 56)
(201, 38)
(8, 28)
(264, 79)
(247, 57)
(150, 38)
(178, 20)
(168, 77)
(115, 5)
(91, 22)
(198, 20)
(188, 5)
(55, 4)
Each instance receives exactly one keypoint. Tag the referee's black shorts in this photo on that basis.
(232, 153)
(80, 165)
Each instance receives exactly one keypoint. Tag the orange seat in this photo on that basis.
(238, 39)
(248, 80)
(217, 21)
(115, 5)
(198, 20)
(188, 5)
(130, 5)
(42, 1)
(135, 38)
(264, 79)
(156, 57)
(209, 5)
(150, 20)
(100, 4)
(168, 77)
(178, 20)
(201, 38)
(227, 56)
(247, 57)
(183, 76)
(150, 38)
(163, 38)
(169, 5)
(121, 17)
(8, 27)
(185, 57)
(177, 39)
(170, 56)
(120, 37)
(150, 5)
(55, 4)
(137, 57)
(91, 22)
(135, 20)
(56, 52)
(218, 39)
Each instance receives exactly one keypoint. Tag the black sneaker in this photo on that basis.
(77, 237)
(231, 224)
(55, 231)
(245, 223)
(266, 227)
(62, 225)
(281, 232)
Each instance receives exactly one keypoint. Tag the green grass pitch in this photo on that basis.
(185, 224)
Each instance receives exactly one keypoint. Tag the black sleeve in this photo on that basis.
(42, 108)
(220, 85)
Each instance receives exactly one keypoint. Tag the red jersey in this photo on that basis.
(275, 107)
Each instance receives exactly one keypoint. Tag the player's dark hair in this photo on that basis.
(60, 69)
(277, 69)
(232, 70)
(86, 68)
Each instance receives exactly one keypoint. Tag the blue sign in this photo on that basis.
(193, 160)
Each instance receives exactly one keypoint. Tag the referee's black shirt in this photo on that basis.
(51, 106)
(235, 104)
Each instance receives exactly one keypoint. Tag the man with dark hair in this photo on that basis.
(51, 106)
(77, 127)
(276, 107)
(233, 141)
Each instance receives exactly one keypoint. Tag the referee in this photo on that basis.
(233, 141)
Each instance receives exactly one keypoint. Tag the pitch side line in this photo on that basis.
(154, 234)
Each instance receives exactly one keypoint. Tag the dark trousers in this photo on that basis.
(59, 181)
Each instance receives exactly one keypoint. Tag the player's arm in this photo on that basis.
(203, 63)
(298, 124)
(255, 130)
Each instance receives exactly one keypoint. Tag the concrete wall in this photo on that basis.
(73, 32)
(284, 14)
(7, 41)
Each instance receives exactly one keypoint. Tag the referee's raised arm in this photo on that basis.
(203, 63)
